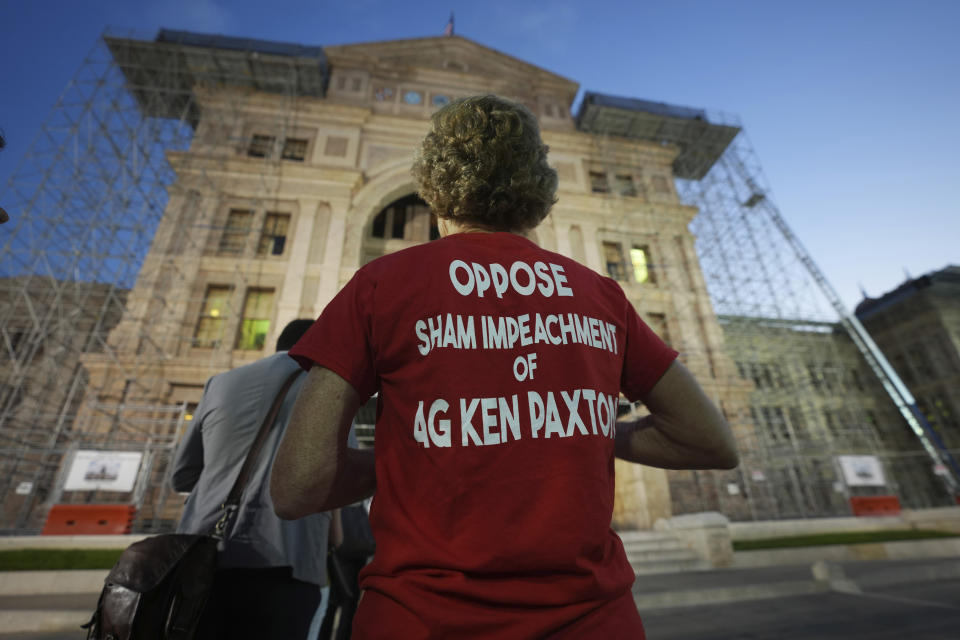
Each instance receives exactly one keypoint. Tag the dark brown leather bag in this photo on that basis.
(160, 585)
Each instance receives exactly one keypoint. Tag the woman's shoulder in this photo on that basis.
(582, 273)
(405, 261)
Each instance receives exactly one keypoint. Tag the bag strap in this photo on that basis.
(232, 503)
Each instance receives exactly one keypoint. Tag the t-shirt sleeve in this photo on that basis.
(340, 339)
(646, 357)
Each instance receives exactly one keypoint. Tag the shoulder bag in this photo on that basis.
(159, 586)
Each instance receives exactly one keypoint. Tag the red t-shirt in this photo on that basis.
(498, 367)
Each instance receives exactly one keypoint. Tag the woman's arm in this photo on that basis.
(314, 469)
(684, 430)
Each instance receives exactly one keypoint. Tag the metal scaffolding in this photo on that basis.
(122, 165)
(821, 388)
(125, 185)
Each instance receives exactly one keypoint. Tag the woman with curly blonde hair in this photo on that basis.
(498, 367)
(483, 165)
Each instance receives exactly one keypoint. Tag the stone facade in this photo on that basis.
(281, 198)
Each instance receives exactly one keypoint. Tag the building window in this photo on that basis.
(294, 149)
(273, 238)
(598, 182)
(640, 259)
(384, 94)
(408, 218)
(623, 183)
(260, 146)
(832, 421)
(213, 317)
(234, 238)
(399, 220)
(379, 225)
(255, 324)
(825, 378)
(613, 256)
(776, 376)
(356, 84)
(776, 424)
(797, 421)
(763, 374)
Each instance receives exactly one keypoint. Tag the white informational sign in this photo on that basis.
(757, 475)
(103, 471)
(940, 469)
(24, 488)
(862, 471)
(733, 488)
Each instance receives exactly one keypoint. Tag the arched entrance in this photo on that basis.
(403, 223)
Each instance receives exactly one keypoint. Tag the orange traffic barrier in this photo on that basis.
(875, 505)
(87, 519)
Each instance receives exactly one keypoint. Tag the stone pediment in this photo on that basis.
(450, 54)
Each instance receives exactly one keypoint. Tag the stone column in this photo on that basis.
(332, 256)
(562, 229)
(642, 497)
(288, 305)
(591, 249)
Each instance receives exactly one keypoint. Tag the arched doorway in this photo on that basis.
(403, 223)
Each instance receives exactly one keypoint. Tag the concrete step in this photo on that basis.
(641, 546)
(645, 535)
(658, 552)
(647, 567)
(658, 556)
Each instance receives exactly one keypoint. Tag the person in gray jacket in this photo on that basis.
(270, 571)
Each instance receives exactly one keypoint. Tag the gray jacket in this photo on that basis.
(208, 461)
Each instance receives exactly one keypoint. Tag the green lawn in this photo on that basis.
(60, 559)
(56, 559)
(858, 537)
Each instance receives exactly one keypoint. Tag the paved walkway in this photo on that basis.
(927, 611)
(694, 588)
(775, 602)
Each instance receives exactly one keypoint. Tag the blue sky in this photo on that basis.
(852, 107)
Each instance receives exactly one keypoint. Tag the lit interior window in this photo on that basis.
(639, 258)
(256, 319)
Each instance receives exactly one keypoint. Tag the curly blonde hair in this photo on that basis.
(483, 163)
